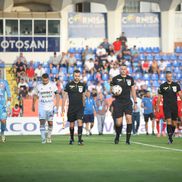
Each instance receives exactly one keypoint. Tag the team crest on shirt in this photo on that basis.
(80, 89)
(174, 88)
(128, 81)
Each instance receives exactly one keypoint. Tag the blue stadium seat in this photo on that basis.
(165, 57)
(149, 57)
(36, 64)
(146, 77)
(154, 76)
(179, 76)
(45, 65)
(180, 57)
(2, 65)
(173, 57)
(47, 70)
(148, 50)
(79, 63)
(176, 63)
(141, 50)
(64, 70)
(54, 71)
(138, 76)
(78, 56)
(80, 68)
(177, 70)
(155, 83)
(156, 50)
(142, 57)
(178, 49)
(157, 57)
(71, 70)
(65, 77)
(162, 77)
(72, 50)
(105, 77)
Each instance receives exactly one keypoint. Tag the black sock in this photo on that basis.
(72, 133)
(169, 131)
(118, 132)
(80, 128)
(173, 129)
(128, 132)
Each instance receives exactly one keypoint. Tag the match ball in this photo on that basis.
(116, 90)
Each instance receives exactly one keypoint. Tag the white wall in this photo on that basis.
(98, 8)
(178, 27)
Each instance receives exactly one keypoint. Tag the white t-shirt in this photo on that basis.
(46, 95)
(114, 72)
(39, 72)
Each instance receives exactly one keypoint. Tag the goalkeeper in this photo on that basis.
(123, 103)
(4, 89)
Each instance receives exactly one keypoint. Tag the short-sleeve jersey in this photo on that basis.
(46, 95)
(126, 83)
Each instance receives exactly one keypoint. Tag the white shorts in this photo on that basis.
(46, 115)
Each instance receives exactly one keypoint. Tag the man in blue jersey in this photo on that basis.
(148, 111)
(88, 116)
(4, 104)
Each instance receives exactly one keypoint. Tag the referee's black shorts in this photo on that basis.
(122, 108)
(171, 112)
(75, 114)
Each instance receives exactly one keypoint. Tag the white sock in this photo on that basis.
(43, 132)
(49, 131)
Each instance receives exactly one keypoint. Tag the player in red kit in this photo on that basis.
(179, 124)
(159, 116)
(16, 111)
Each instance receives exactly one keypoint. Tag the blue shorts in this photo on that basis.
(3, 113)
(88, 118)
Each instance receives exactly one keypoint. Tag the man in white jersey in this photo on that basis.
(46, 91)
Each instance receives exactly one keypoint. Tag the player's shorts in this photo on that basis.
(121, 108)
(75, 114)
(3, 112)
(171, 113)
(148, 116)
(88, 118)
(159, 115)
(46, 115)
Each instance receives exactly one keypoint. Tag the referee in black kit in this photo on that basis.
(123, 103)
(169, 91)
(75, 91)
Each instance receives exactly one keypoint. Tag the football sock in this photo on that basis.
(128, 132)
(158, 128)
(118, 131)
(43, 132)
(80, 128)
(173, 129)
(72, 133)
(164, 127)
(169, 131)
(49, 131)
(3, 128)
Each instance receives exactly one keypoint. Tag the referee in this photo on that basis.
(75, 91)
(123, 103)
(169, 91)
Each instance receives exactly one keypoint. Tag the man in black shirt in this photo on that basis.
(169, 91)
(75, 91)
(123, 103)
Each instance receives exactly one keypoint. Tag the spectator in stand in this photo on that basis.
(96, 66)
(30, 73)
(100, 51)
(120, 57)
(111, 57)
(86, 53)
(71, 60)
(134, 51)
(123, 40)
(54, 61)
(16, 111)
(39, 72)
(98, 77)
(146, 66)
(22, 88)
(21, 58)
(19, 68)
(114, 71)
(162, 66)
(99, 87)
(89, 66)
(102, 59)
(64, 60)
(154, 67)
(105, 44)
(117, 46)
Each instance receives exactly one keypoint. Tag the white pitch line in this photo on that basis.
(156, 146)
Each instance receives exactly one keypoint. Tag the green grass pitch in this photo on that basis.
(25, 159)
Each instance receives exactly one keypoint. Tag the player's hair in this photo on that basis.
(45, 75)
(76, 71)
(168, 72)
(123, 64)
